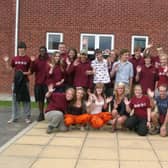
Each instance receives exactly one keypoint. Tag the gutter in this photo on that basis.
(16, 26)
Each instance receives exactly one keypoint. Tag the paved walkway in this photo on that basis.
(33, 148)
(8, 131)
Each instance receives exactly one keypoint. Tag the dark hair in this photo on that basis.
(147, 55)
(74, 50)
(163, 85)
(43, 47)
(61, 43)
(22, 44)
(97, 51)
(138, 48)
(123, 51)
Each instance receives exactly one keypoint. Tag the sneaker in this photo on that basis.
(27, 120)
(63, 129)
(41, 117)
(12, 121)
(50, 129)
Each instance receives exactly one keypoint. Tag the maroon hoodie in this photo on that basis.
(81, 79)
(57, 101)
(56, 76)
(40, 68)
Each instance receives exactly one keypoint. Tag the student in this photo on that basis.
(56, 74)
(111, 59)
(141, 118)
(100, 71)
(72, 56)
(161, 102)
(40, 67)
(82, 71)
(136, 60)
(119, 114)
(63, 52)
(122, 70)
(22, 63)
(76, 113)
(97, 102)
(163, 71)
(56, 108)
(146, 75)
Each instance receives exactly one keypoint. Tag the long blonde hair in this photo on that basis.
(117, 97)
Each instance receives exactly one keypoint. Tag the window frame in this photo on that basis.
(47, 42)
(140, 37)
(97, 40)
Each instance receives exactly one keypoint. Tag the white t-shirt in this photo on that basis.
(101, 71)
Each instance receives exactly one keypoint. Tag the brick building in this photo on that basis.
(106, 24)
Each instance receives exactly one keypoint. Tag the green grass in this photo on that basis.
(9, 104)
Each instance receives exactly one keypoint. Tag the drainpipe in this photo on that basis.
(16, 26)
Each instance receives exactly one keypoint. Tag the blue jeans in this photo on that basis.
(16, 107)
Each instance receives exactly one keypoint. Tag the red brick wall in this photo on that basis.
(7, 25)
(122, 18)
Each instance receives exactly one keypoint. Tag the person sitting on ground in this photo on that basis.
(119, 113)
(57, 107)
(76, 113)
(140, 121)
(161, 117)
(97, 102)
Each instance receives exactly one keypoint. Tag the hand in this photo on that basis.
(116, 67)
(163, 129)
(50, 88)
(33, 58)
(62, 80)
(109, 99)
(88, 72)
(165, 69)
(92, 98)
(150, 45)
(89, 91)
(68, 61)
(76, 62)
(6, 58)
(132, 112)
(157, 65)
(51, 65)
(58, 83)
(150, 93)
(138, 69)
(148, 124)
(126, 101)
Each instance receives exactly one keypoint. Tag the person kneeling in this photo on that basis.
(140, 105)
(76, 114)
(56, 108)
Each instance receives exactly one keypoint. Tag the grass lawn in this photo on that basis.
(9, 104)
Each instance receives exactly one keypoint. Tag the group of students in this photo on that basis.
(122, 89)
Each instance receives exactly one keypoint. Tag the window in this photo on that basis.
(52, 41)
(139, 41)
(93, 41)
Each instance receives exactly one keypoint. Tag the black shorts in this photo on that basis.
(39, 92)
